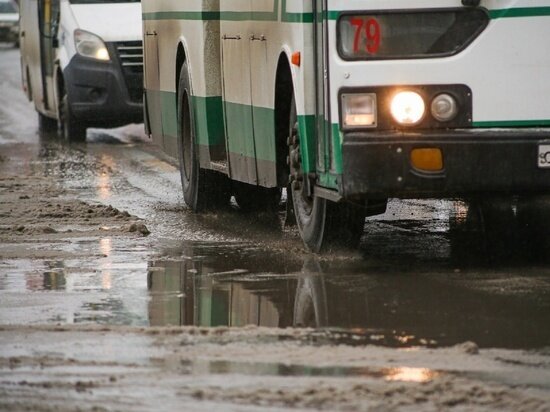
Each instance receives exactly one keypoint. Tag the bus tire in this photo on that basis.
(322, 223)
(202, 189)
(69, 127)
(46, 124)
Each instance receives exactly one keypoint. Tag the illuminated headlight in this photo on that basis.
(90, 45)
(407, 108)
(444, 107)
(359, 110)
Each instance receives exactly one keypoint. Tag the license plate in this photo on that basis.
(543, 159)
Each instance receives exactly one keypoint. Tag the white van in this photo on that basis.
(82, 63)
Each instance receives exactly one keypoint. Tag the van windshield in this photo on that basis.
(102, 1)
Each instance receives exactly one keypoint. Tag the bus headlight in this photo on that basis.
(407, 108)
(358, 110)
(90, 45)
(444, 107)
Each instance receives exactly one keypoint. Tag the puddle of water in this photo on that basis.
(355, 302)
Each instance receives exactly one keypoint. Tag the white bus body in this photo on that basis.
(393, 98)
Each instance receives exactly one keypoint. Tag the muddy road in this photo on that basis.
(114, 296)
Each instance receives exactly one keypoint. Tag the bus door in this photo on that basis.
(237, 99)
(261, 94)
(48, 21)
(322, 109)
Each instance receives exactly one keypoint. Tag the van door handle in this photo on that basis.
(22, 33)
(151, 33)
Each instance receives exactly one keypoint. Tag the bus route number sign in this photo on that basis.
(367, 35)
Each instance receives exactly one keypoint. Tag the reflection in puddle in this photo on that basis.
(105, 245)
(411, 374)
(399, 374)
(51, 279)
(103, 186)
(347, 302)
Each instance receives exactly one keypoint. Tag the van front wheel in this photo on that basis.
(69, 127)
(45, 123)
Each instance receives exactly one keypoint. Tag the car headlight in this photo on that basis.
(407, 108)
(90, 45)
(358, 110)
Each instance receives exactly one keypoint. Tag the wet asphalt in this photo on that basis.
(427, 273)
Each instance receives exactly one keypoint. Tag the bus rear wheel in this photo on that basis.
(202, 189)
(322, 224)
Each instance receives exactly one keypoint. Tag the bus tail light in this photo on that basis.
(359, 110)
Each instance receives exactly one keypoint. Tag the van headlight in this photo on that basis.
(90, 45)
(358, 110)
(407, 108)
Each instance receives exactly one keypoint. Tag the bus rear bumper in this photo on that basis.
(475, 162)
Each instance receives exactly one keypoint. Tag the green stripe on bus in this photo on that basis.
(261, 145)
(306, 127)
(286, 17)
(493, 14)
(182, 15)
(520, 12)
(512, 123)
(209, 126)
(169, 113)
(264, 133)
(337, 166)
(289, 17)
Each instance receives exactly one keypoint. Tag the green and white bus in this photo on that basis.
(349, 103)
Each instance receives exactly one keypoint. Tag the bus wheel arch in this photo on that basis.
(181, 57)
(284, 91)
(322, 224)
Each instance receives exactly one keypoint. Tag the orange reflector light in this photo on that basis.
(295, 59)
(428, 159)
